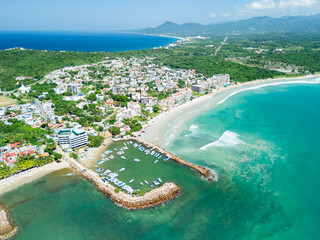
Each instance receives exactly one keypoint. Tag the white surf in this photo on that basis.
(227, 139)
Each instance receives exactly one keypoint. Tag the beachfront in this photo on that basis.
(155, 130)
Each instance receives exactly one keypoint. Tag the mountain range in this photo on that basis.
(248, 26)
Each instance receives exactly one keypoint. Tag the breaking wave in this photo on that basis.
(314, 81)
(192, 130)
(227, 139)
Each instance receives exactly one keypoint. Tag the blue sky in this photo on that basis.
(104, 15)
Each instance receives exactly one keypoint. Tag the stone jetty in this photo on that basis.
(7, 231)
(166, 192)
(204, 172)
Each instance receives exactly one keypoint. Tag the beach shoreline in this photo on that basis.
(17, 180)
(155, 128)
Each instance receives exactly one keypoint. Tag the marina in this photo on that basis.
(124, 173)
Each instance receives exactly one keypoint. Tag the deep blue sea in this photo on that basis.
(82, 42)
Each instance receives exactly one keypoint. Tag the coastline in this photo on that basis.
(155, 128)
(154, 131)
(10, 183)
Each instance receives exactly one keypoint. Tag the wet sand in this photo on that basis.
(155, 129)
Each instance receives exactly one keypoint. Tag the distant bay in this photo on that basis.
(82, 42)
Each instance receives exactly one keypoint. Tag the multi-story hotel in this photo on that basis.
(76, 137)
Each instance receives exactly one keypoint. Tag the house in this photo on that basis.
(135, 108)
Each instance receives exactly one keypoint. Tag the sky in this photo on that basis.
(106, 15)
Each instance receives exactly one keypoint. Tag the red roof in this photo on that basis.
(31, 152)
(15, 145)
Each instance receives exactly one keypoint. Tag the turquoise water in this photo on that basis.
(265, 148)
(82, 41)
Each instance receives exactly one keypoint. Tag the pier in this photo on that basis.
(166, 192)
(156, 196)
(206, 173)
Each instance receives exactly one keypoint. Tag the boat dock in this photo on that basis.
(206, 173)
(166, 192)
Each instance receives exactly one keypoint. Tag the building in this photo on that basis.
(74, 88)
(197, 88)
(75, 138)
(219, 79)
(135, 108)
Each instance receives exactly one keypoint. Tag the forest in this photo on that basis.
(244, 57)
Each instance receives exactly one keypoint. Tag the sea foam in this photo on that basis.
(314, 81)
(227, 139)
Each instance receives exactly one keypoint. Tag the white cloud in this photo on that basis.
(213, 15)
(227, 14)
(262, 4)
(297, 3)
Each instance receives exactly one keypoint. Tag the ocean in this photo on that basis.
(82, 42)
(264, 145)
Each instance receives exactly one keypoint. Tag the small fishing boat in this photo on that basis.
(160, 156)
(122, 169)
(166, 159)
(103, 155)
(123, 157)
(146, 182)
(150, 185)
(131, 180)
(159, 179)
(141, 183)
(136, 160)
(147, 151)
(156, 183)
(153, 152)
(155, 161)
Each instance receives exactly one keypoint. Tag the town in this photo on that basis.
(79, 107)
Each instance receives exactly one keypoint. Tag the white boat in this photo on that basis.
(156, 183)
(131, 180)
(146, 182)
(103, 155)
(123, 157)
(141, 183)
(136, 160)
(159, 179)
(155, 161)
(122, 169)
(153, 152)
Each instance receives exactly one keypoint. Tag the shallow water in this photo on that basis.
(268, 165)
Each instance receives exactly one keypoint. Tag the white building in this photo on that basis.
(75, 138)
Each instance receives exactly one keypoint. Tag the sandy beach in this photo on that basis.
(95, 153)
(155, 129)
(17, 180)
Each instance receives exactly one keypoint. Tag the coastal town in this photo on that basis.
(75, 109)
